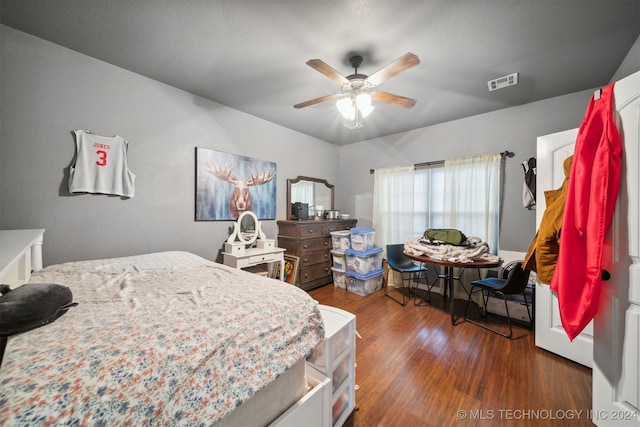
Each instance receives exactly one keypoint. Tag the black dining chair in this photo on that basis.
(409, 271)
(514, 283)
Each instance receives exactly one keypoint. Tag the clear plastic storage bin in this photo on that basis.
(338, 339)
(335, 357)
(339, 278)
(362, 238)
(339, 261)
(364, 262)
(340, 240)
(364, 284)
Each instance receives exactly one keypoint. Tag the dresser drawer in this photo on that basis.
(315, 271)
(302, 246)
(300, 230)
(259, 259)
(309, 258)
(309, 245)
(336, 226)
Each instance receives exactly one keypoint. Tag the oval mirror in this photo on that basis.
(312, 191)
(247, 227)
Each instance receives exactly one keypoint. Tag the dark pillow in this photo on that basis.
(32, 305)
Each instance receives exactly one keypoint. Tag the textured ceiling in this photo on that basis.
(250, 54)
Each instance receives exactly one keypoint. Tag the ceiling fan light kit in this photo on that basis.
(354, 104)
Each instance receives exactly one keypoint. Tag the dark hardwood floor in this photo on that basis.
(414, 368)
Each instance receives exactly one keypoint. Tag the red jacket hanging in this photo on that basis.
(591, 198)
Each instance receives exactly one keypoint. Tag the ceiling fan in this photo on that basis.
(357, 84)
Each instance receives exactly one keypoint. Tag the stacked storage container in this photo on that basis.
(364, 273)
(340, 242)
(335, 357)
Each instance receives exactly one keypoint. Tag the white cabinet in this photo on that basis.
(255, 256)
(335, 357)
(20, 254)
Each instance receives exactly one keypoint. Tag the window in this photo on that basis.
(428, 199)
(462, 194)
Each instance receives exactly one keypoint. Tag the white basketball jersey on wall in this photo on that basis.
(100, 165)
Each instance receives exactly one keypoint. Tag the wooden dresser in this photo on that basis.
(311, 242)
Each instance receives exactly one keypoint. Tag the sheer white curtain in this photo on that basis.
(303, 191)
(393, 211)
(472, 197)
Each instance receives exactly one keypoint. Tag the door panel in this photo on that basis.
(616, 367)
(552, 151)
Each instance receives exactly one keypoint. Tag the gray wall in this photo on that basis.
(630, 64)
(514, 129)
(48, 91)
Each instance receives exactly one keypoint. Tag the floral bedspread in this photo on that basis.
(158, 339)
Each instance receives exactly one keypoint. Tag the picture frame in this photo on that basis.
(291, 268)
(228, 184)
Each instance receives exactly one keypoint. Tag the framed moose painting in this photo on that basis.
(228, 184)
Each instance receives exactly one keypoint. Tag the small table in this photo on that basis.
(255, 256)
(448, 273)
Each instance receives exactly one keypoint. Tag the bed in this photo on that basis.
(161, 339)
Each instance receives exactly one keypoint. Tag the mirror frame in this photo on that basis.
(237, 229)
(307, 178)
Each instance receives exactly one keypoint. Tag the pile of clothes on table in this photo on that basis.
(460, 249)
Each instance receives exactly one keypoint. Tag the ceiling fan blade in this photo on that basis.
(390, 98)
(399, 65)
(316, 101)
(320, 65)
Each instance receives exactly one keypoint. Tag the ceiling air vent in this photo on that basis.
(502, 82)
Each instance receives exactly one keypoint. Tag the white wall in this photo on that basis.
(48, 91)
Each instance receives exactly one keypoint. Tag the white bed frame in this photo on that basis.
(21, 254)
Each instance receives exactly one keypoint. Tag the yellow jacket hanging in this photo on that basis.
(543, 251)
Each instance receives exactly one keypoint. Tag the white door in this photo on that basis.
(552, 151)
(616, 350)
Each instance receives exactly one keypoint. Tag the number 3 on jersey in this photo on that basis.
(102, 158)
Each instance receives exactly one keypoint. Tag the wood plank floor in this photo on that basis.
(414, 368)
